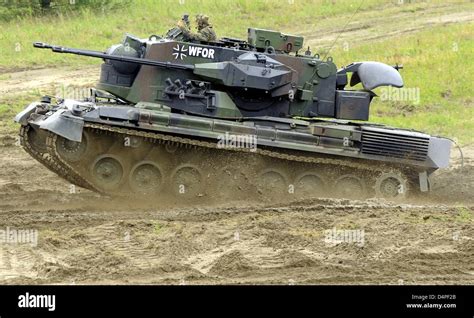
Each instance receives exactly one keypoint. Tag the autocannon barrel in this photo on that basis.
(97, 54)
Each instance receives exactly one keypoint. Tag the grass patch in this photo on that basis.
(9, 107)
(465, 215)
(99, 29)
(158, 228)
(437, 62)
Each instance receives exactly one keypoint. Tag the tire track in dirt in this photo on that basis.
(394, 22)
(85, 238)
(247, 244)
(47, 80)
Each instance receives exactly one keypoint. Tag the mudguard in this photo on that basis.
(64, 125)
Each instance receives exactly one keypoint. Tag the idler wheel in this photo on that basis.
(72, 151)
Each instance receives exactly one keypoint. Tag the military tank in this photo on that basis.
(232, 118)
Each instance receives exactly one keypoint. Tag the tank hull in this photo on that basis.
(148, 149)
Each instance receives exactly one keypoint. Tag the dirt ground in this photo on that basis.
(83, 238)
(86, 238)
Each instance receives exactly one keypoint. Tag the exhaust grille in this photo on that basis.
(388, 143)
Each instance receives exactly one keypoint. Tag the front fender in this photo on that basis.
(64, 124)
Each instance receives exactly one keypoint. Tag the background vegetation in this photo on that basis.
(437, 60)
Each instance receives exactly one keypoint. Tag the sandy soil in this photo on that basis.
(84, 238)
(47, 79)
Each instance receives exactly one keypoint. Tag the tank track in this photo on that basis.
(48, 161)
(55, 160)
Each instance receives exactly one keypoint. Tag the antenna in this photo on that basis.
(332, 45)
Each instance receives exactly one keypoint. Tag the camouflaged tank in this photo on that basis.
(231, 118)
